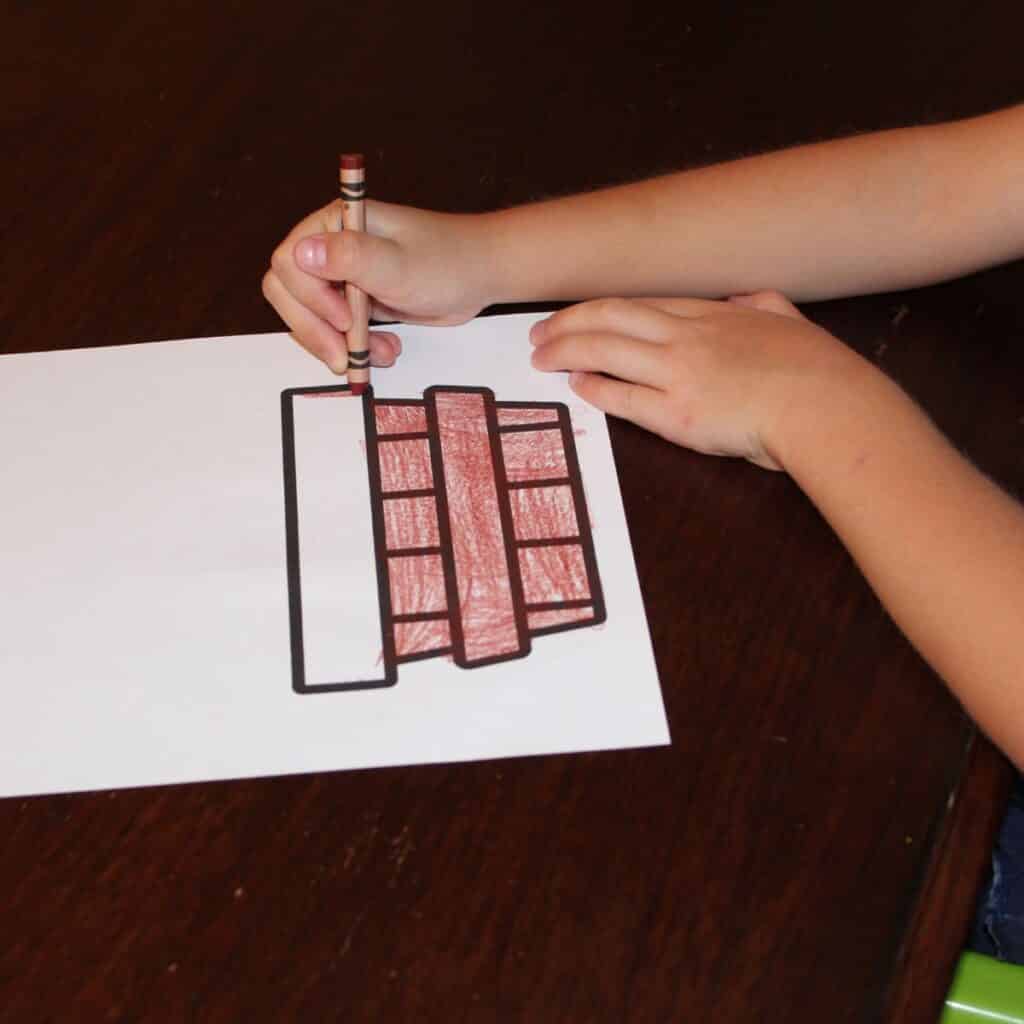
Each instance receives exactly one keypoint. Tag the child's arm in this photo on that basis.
(870, 213)
(941, 545)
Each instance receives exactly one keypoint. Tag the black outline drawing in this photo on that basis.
(456, 650)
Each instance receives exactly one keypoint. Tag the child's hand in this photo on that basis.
(718, 377)
(416, 266)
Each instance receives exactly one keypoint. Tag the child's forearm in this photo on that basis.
(941, 545)
(871, 213)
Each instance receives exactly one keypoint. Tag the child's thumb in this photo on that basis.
(371, 262)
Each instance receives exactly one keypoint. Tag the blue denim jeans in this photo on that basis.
(999, 921)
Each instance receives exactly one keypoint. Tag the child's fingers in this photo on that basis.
(318, 337)
(315, 335)
(385, 348)
(634, 402)
(642, 362)
(326, 301)
(606, 316)
(689, 309)
(321, 297)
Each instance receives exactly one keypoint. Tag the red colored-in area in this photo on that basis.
(558, 617)
(533, 455)
(410, 523)
(407, 418)
(486, 610)
(539, 513)
(405, 465)
(553, 573)
(420, 637)
(475, 525)
(513, 416)
(417, 584)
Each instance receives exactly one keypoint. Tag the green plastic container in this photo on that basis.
(985, 991)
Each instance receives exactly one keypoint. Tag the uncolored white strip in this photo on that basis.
(341, 627)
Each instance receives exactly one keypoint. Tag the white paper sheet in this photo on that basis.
(144, 616)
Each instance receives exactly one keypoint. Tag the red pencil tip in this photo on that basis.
(357, 388)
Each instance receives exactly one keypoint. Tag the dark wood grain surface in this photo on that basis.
(773, 864)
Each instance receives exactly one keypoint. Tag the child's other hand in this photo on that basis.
(719, 377)
(416, 266)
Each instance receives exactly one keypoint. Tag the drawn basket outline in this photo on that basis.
(482, 538)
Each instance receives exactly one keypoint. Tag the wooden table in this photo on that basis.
(810, 846)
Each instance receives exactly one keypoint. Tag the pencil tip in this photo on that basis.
(357, 388)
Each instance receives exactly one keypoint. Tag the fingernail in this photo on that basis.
(537, 332)
(382, 353)
(575, 376)
(311, 252)
(338, 365)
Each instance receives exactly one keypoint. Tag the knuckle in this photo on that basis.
(609, 310)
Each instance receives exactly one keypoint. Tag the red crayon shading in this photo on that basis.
(488, 627)
(483, 539)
